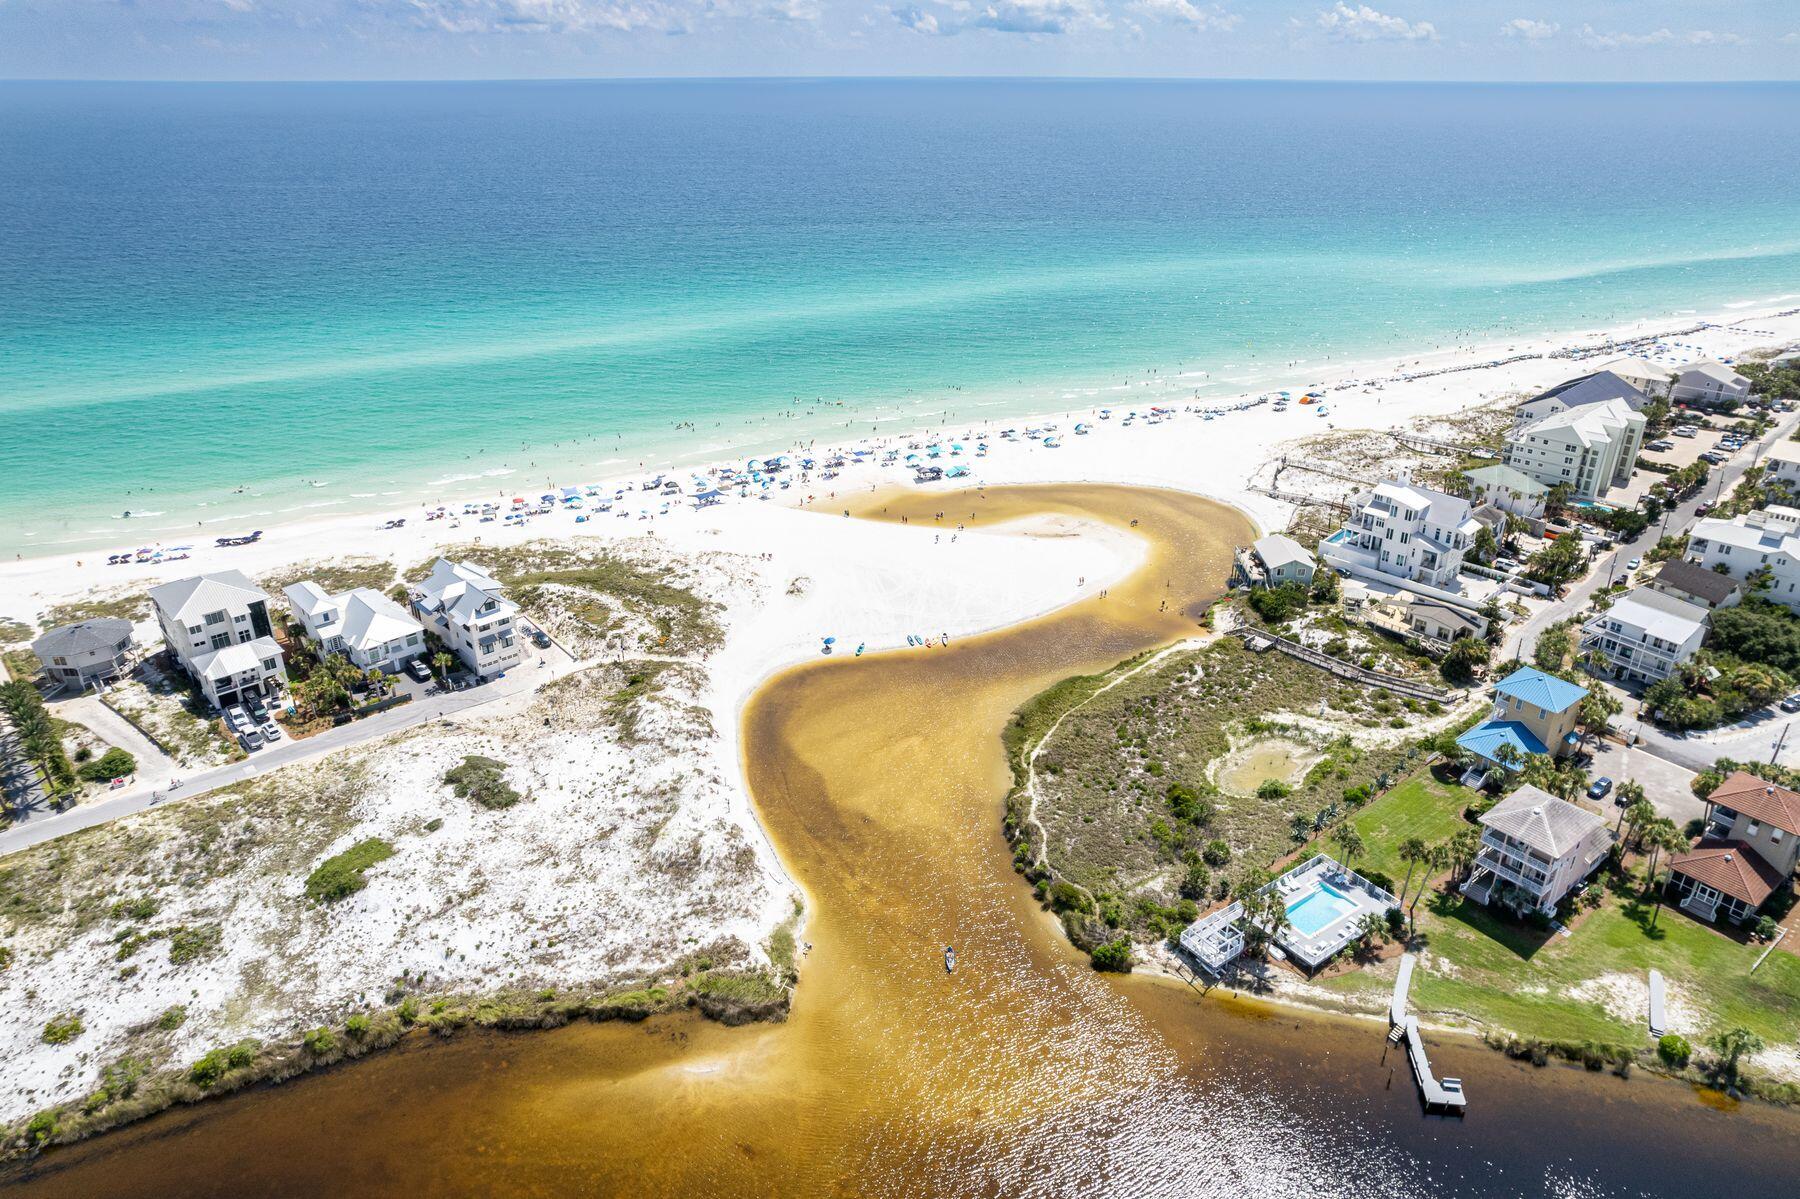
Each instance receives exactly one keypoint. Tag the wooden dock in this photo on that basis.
(1659, 1022)
(1443, 1095)
(1402, 983)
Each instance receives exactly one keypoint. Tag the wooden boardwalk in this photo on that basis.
(1444, 1095)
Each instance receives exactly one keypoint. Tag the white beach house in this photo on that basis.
(1781, 464)
(1769, 537)
(1404, 533)
(364, 625)
(1534, 849)
(1710, 385)
(1507, 489)
(1645, 635)
(217, 627)
(462, 604)
(1592, 448)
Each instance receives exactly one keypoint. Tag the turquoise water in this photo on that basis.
(242, 304)
(1318, 910)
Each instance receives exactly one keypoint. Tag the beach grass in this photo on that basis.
(335, 575)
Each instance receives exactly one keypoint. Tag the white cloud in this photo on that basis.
(1706, 37)
(1623, 41)
(1791, 39)
(1530, 30)
(1185, 12)
(918, 20)
(1364, 24)
(547, 16)
(1041, 16)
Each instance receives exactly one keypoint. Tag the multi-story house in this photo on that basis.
(1583, 391)
(1273, 560)
(1534, 713)
(1534, 849)
(462, 604)
(1781, 464)
(1592, 448)
(364, 625)
(1748, 852)
(1404, 533)
(217, 627)
(1644, 635)
(1710, 385)
(1652, 378)
(1745, 544)
(87, 653)
(1507, 489)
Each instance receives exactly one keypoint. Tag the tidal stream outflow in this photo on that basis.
(881, 780)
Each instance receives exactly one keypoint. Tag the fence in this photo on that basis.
(1346, 670)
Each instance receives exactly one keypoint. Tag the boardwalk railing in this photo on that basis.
(1345, 670)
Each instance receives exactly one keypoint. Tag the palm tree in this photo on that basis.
(1637, 816)
(1348, 842)
(442, 662)
(1436, 857)
(1661, 834)
(1731, 1044)
(1370, 929)
(1413, 851)
(1629, 793)
(1464, 846)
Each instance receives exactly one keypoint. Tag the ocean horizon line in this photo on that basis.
(1272, 80)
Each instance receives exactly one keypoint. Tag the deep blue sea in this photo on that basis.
(213, 297)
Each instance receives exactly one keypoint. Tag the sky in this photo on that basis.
(1578, 40)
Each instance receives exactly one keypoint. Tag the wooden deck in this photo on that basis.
(1444, 1095)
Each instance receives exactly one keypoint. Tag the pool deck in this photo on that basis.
(1314, 950)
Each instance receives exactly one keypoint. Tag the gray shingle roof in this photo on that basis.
(1596, 388)
(1695, 579)
(1537, 818)
(82, 637)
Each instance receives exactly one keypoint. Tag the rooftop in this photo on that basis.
(1540, 820)
(1760, 800)
(1694, 579)
(101, 635)
(1658, 614)
(1507, 477)
(1532, 686)
(1595, 388)
(1731, 867)
(1486, 738)
(187, 598)
(1278, 550)
(1589, 423)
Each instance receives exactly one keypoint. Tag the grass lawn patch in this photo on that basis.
(1419, 807)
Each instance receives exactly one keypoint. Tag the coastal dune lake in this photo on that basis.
(881, 781)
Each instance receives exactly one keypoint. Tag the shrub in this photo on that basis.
(1279, 604)
(62, 1029)
(172, 1019)
(356, 1027)
(408, 1011)
(1216, 853)
(482, 780)
(319, 1041)
(1067, 897)
(141, 908)
(1195, 883)
(41, 1127)
(115, 763)
(190, 944)
(1765, 928)
(1113, 956)
(342, 874)
(1272, 789)
(1674, 1049)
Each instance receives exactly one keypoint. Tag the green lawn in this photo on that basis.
(1504, 974)
(1419, 807)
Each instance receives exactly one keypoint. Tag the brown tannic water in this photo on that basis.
(881, 781)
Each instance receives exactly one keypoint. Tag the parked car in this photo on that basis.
(1635, 564)
(1600, 787)
(540, 639)
(250, 739)
(1687, 431)
(270, 731)
(1791, 703)
(1506, 564)
(418, 670)
(1702, 509)
(1663, 445)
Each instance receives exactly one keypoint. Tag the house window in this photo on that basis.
(1752, 829)
(1775, 835)
(215, 618)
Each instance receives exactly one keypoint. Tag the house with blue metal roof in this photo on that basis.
(1534, 713)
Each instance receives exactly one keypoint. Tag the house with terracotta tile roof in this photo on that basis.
(1749, 850)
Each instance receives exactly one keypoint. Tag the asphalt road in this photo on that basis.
(40, 824)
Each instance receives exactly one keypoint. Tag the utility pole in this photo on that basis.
(1779, 742)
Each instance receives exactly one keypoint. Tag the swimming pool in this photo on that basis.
(1319, 909)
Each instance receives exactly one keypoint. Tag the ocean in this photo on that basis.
(225, 306)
